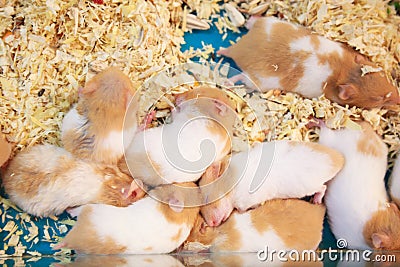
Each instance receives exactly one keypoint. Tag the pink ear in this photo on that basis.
(346, 91)
(176, 205)
(379, 240)
(134, 190)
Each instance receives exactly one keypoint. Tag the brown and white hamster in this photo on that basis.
(281, 224)
(269, 170)
(199, 134)
(357, 203)
(276, 54)
(103, 122)
(155, 224)
(45, 180)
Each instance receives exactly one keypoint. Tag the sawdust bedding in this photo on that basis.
(48, 49)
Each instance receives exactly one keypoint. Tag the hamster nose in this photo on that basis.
(215, 220)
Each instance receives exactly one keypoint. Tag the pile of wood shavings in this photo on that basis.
(21, 232)
(50, 48)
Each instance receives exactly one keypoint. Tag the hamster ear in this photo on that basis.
(359, 59)
(179, 99)
(346, 91)
(214, 170)
(222, 109)
(380, 240)
(87, 89)
(175, 204)
(135, 190)
(203, 227)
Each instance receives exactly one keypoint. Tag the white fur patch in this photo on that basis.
(314, 78)
(327, 47)
(301, 44)
(72, 120)
(114, 142)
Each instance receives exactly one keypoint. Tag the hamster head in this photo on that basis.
(218, 203)
(202, 233)
(382, 231)
(210, 101)
(372, 90)
(109, 86)
(119, 189)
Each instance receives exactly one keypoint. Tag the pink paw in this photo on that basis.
(314, 122)
(147, 120)
(319, 195)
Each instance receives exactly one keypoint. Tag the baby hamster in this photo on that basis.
(356, 199)
(280, 55)
(280, 224)
(279, 169)
(199, 134)
(45, 180)
(103, 122)
(155, 224)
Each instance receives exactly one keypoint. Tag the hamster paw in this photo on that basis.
(147, 120)
(319, 195)
(74, 212)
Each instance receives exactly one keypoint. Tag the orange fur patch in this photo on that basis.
(202, 233)
(307, 219)
(232, 237)
(224, 237)
(385, 222)
(113, 188)
(370, 143)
